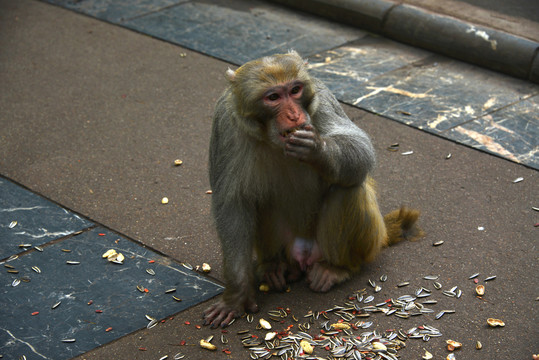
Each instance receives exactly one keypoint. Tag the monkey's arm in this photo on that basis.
(235, 222)
(235, 232)
(334, 145)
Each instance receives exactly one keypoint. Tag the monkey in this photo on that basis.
(291, 184)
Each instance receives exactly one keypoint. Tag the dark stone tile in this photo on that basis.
(346, 69)
(512, 132)
(439, 94)
(240, 35)
(112, 288)
(38, 220)
(115, 11)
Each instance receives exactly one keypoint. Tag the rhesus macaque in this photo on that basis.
(290, 178)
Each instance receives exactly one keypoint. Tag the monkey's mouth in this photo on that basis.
(284, 134)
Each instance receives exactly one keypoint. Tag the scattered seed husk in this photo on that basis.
(490, 278)
(15, 282)
(383, 278)
(474, 276)
(437, 243)
(265, 324)
(431, 277)
(12, 224)
(38, 248)
(206, 268)
(404, 283)
(306, 346)
(478, 345)
(448, 156)
(452, 345)
(187, 266)
(169, 291)
(69, 262)
(151, 324)
(427, 356)
(56, 305)
(36, 269)
(340, 326)
(517, 180)
(68, 340)
(495, 322)
(480, 290)
(207, 345)
(150, 272)
(176, 298)
(407, 153)
(178, 356)
(108, 253)
(178, 162)
(164, 200)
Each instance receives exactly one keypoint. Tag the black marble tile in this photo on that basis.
(27, 218)
(111, 289)
(115, 11)
(237, 35)
(345, 70)
(438, 94)
(512, 132)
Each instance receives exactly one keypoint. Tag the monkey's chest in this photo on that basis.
(297, 198)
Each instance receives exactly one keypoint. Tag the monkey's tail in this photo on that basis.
(401, 224)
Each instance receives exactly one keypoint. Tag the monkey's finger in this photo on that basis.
(275, 280)
(223, 319)
(228, 319)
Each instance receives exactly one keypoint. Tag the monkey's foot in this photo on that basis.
(322, 276)
(221, 314)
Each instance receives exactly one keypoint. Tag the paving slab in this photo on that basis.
(67, 299)
(237, 31)
(28, 220)
(93, 116)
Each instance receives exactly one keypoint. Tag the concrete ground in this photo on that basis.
(93, 116)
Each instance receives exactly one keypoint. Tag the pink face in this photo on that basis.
(285, 99)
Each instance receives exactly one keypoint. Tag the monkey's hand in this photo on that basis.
(323, 276)
(305, 145)
(273, 274)
(221, 313)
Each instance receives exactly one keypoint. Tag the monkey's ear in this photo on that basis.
(230, 75)
(293, 52)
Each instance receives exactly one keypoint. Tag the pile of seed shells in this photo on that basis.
(346, 331)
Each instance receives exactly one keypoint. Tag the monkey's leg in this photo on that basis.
(273, 238)
(350, 230)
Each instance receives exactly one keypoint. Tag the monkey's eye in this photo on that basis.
(296, 89)
(273, 97)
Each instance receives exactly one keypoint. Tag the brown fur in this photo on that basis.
(311, 184)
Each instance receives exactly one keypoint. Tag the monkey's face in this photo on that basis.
(285, 103)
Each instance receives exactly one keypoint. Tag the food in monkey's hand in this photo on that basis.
(290, 174)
